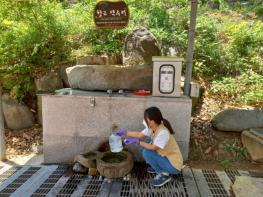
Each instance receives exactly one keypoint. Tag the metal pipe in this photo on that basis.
(2, 128)
(190, 49)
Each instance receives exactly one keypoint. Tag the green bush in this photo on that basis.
(246, 88)
(207, 48)
(32, 35)
(38, 35)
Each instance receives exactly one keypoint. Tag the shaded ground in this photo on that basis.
(22, 144)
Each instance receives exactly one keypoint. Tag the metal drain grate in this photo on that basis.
(71, 185)
(216, 187)
(8, 173)
(231, 174)
(93, 187)
(12, 187)
(49, 182)
(140, 185)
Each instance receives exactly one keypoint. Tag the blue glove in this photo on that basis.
(131, 141)
(121, 132)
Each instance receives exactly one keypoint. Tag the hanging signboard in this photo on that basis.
(111, 14)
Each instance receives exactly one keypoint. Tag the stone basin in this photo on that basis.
(114, 165)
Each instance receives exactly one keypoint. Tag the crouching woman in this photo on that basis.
(162, 153)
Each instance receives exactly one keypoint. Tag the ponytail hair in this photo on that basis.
(153, 113)
(167, 124)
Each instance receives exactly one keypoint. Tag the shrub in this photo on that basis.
(37, 35)
(246, 88)
(32, 35)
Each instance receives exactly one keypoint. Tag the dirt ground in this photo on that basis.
(213, 149)
(209, 148)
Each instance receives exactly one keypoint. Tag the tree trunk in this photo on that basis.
(2, 129)
(190, 49)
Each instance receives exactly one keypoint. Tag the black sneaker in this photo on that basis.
(150, 170)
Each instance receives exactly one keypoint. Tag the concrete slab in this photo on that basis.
(63, 149)
(190, 182)
(76, 123)
(248, 186)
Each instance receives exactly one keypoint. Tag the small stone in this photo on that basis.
(79, 168)
(37, 148)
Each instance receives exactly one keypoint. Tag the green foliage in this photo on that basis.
(243, 46)
(246, 88)
(41, 34)
(259, 10)
(207, 47)
(32, 35)
(225, 163)
(238, 151)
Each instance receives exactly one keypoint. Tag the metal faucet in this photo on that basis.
(122, 92)
(109, 91)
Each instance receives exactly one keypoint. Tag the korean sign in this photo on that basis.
(111, 14)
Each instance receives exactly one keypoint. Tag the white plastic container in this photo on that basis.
(115, 143)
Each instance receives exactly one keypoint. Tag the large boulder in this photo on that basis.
(252, 139)
(139, 48)
(17, 115)
(114, 77)
(105, 59)
(238, 119)
(245, 186)
(48, 83)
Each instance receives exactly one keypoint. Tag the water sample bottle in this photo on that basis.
(115, 143)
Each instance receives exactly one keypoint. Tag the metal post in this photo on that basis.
(190, 49)
(2, 129)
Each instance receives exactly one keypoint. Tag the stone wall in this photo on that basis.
(72, 125)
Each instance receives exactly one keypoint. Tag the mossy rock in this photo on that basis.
(88, 160)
